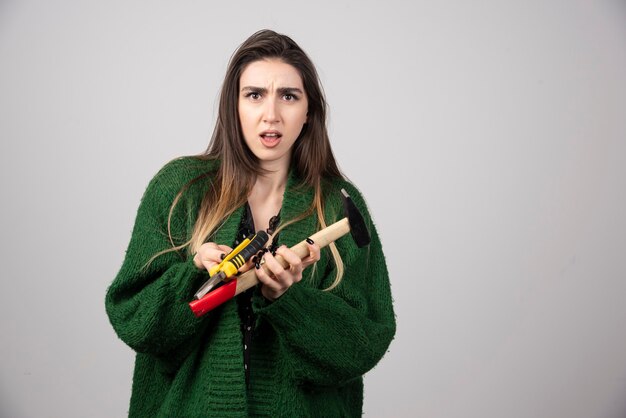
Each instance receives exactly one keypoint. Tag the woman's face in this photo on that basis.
(272, 110)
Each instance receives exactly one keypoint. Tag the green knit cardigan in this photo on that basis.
(310, 347)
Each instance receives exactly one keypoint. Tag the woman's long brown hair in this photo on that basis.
(312, 157)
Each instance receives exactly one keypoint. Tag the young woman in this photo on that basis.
(298, 344)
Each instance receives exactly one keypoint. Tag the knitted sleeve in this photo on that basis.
(331, 337)
(147, 303)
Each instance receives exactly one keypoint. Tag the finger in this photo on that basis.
(247, 266)
(313, 257)
(271, 288)
(202, 262)
(225, 249)
(290, 257)
(286, 275)
(210, 254)
(201, 255)
(294, 261)
(208, 264)
(215, 252)
(276, 269)
(264, 277)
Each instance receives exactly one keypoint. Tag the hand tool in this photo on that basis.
(233, 261)
(353, 223)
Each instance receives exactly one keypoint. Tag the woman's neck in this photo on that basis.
(274, 180)
(266, 197)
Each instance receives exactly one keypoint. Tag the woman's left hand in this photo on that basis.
(277, 279)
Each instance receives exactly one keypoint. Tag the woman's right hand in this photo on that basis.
(210, 254)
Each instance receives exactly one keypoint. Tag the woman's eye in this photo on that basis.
(290, 97)
(253, 95)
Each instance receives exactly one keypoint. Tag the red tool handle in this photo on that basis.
(214, 299)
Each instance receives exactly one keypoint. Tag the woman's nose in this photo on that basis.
(270, 112)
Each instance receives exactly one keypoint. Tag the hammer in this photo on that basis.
(353, 223)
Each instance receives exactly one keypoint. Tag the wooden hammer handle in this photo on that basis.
(322, 238)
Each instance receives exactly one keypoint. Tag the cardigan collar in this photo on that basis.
(297, 198)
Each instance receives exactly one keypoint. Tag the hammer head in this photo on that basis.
(358, 230)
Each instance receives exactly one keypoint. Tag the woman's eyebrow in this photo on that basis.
(281, 90)
(289, 90)
(255, 89)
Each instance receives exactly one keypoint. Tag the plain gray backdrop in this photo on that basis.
(489, 138)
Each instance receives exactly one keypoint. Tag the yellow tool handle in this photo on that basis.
(231, 255)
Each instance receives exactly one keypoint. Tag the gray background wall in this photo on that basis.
(489, 138)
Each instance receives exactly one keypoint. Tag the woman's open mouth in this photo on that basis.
(270, 138)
